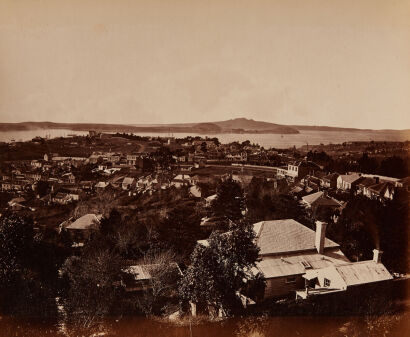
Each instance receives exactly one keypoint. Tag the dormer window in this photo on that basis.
(326, 282)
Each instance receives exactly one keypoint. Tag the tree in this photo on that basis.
(16, 243)
(367, 164)
(394, 167)
(222, 268)
(229, 202)
(24, 287)
(162, 285)
(204, 148)
(91, 285)
(42, 188)
(180, 230)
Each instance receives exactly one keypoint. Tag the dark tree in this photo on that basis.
(221, 269)
(91, 285)
(394, 167)
(180, 230)
(229, 202)
(42, 188)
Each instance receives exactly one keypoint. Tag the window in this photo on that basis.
(291, 279)
(326, 282)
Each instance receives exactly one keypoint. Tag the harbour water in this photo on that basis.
(266, 140)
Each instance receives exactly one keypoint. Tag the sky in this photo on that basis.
(307, 62)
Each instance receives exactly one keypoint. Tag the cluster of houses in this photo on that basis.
(295, 260)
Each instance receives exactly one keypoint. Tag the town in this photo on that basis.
(107, 224)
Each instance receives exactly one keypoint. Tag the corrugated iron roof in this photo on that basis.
(284, 236)
(363, 272)
(286, 265)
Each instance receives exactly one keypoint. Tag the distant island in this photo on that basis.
(234, 126)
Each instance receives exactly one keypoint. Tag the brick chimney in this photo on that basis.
(377, 255)
(320, 236)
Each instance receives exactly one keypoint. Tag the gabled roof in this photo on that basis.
(349, 178)
(381, 188)
(128, 181)
(366, 182)
(311, 198)
(101, 184)
(331, 176)
(85, 222)
(285, 236)
(145, 271)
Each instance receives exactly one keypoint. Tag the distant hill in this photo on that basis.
(237, 125)
(252, 126)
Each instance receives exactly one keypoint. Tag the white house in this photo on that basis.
(347, 181)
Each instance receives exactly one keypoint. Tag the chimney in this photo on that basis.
(320, 236)
(377, 255)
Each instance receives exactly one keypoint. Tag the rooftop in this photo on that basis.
(85, 222)
(284, 236)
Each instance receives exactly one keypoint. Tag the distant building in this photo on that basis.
(329, 181)
(128, 183)
(82, 228)
(347, 181)
(301, 169)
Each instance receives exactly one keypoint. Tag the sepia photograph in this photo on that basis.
(204, 168)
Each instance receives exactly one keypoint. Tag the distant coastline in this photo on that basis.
(234, 126)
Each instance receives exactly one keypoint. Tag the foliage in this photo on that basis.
(16, 243)
(230, 201)
(91, 291)
(367, 224)
(180, 230)
(25, 269)
(162, 286)
(221, 269)
(264, 202)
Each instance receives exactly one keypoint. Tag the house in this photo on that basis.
(329, 181)
(195, 191)
(347, 181)
(243, 179)
(363, 184)
(344, 277)
(128, 183)
(381, 191)
(82, 228)
(318, 199)
(181, 180)
(86, 185)
(16, 203)
(36, 163)
(132, 159)
(6, 185)
(140, 277)
(61, 198)
(94, 158)
(282, 172)
(69, 177)
(299, 170)
(210, 199)
(289, 250)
